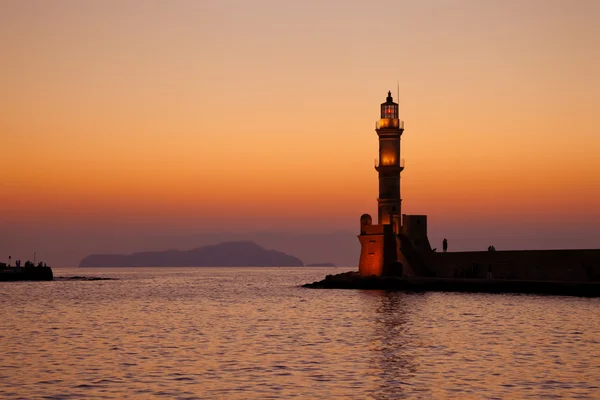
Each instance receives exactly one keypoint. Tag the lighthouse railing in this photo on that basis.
(389, 123)
(378, 164)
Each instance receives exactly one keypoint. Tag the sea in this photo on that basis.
(256, 333)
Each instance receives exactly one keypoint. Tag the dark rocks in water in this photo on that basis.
(26, 274)
(352, 280)
(41, 274)
(83, 278)
(323, 264)
(228, 254)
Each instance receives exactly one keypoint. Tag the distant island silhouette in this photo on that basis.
(227, 254)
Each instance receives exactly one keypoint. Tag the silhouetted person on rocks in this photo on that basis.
(445, 245)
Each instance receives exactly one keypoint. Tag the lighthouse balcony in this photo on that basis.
(393, 123)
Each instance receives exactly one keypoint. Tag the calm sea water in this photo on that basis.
(253, 333)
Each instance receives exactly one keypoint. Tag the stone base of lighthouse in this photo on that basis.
(385, 252)
(379, 251)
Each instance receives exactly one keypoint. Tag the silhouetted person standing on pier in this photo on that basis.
(445, 245)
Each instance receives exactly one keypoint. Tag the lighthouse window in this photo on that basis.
(389, 111)
(371, 247)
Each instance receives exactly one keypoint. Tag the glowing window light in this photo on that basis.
(387, 160)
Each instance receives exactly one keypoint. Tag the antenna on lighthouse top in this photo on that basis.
(398, 98)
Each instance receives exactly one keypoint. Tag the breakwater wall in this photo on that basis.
(534, 265)
(352, 280)
(26, 274)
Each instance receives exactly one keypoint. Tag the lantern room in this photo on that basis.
(389, 115)
(389, 109)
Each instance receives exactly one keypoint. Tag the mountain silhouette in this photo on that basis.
(228, 254)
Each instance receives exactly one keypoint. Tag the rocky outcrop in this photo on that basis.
(229, 254)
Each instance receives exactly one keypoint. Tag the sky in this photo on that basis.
(128, 119)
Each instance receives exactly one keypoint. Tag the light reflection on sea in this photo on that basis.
(243, 333)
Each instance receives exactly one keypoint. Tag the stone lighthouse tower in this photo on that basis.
(389, 129)
(380, 243)
(396, 244)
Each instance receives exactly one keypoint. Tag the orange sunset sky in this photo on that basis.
(123, 118)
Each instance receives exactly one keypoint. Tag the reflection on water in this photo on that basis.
(391, 354)
(253, 333)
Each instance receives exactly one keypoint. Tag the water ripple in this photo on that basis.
(254, 333)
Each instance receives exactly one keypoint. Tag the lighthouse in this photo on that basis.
(388, 247)
(380, 242)
(389, 129)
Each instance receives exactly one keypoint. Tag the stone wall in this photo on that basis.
(545, 265)
(378, 251)
(371, 255)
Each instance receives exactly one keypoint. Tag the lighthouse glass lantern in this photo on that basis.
(389, 109)
(389, 114)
